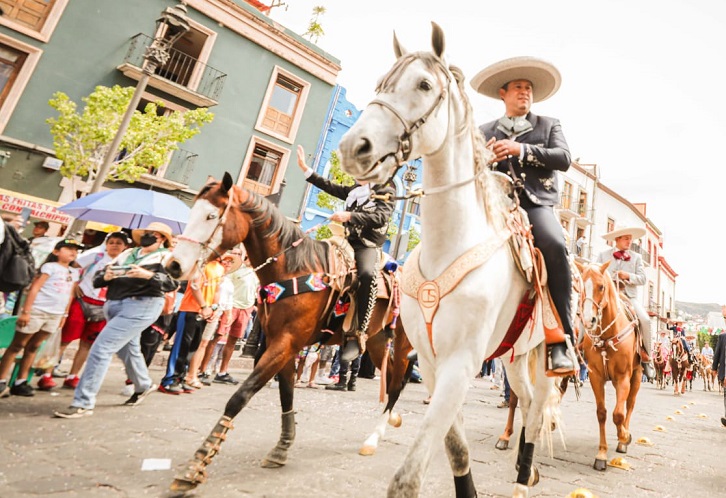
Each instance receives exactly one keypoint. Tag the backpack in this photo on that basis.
(17, 265)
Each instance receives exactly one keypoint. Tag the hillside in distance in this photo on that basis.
(699, 310)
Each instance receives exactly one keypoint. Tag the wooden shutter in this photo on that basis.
(31, 13)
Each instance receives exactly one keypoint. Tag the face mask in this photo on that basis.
(148, 239)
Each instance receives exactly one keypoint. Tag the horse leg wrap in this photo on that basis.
(196, 472)
(525, 464)
(464, 486)
(520, 449)
(277, 457)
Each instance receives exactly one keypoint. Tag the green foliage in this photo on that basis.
(337, 175)
(324, 232)
(414, 237)
(704, 337)
(315, 29)
(81, 140)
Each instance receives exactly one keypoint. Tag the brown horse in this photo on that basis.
(225, 215)
(660, 360)
(679, 366)
(610, 347)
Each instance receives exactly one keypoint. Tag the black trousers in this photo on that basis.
(550, 240)
(365, 261)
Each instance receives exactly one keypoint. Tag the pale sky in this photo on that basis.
(641, 94)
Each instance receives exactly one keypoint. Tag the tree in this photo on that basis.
(327, 201)
(82, 140)
(315, 30)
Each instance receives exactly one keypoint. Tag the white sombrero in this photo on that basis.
(544, 76)
(636, 232)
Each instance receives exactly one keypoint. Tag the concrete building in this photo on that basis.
(268, 87)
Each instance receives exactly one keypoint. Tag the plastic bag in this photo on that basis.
(49, 353)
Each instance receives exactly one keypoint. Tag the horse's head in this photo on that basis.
(204, 236)
(598, 294)
(419, 103)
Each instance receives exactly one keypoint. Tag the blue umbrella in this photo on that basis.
(130, 208)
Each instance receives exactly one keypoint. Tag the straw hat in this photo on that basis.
(636, 232)
(543, 75)
(236, 256)
(154, 226)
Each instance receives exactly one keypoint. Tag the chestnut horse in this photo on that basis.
(679, 366)
(610, 348)
(225, 215)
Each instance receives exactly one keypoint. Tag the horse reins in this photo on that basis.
(220, 224)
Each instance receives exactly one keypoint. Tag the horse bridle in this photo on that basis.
(596, 338)
(206, 248)
(403, 152)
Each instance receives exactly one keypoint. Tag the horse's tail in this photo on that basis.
(551, 414)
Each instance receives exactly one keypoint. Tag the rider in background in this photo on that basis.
(626, 268)
(366, 225)
(532, 149)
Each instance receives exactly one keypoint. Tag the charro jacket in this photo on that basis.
(368, 224)
(634, 267)
(545, 153)
(719, 357)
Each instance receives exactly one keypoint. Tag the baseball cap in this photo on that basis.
(68, 243)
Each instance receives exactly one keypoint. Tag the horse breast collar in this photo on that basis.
(429, 293)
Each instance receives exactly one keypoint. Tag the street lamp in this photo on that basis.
(170, 26)
(409, 177)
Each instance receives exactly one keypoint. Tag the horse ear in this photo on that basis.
(580, 266)
(227, 182)
(437, 40)
(604, 267)
(398, 49)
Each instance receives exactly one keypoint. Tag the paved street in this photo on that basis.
(102, 455)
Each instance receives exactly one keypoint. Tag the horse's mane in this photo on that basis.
(309, 255)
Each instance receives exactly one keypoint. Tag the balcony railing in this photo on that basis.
(182, 70)
(176, 174)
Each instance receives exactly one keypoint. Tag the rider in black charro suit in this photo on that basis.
(366, 224)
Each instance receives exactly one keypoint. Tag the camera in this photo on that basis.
(119, 271)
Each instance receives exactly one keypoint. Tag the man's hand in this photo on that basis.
(623, 275)
(301, 159)
(137, 272)
(504, 148)
(341, 216)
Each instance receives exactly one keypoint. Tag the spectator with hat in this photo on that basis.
(136, 281)
(40, 228)
(532, 149)
(42, 315)
(85, 316)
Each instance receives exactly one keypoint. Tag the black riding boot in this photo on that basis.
(253, 339)
(351, 382)
(561, 363)
(339, 386)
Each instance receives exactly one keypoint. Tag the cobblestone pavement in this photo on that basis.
(102, 455)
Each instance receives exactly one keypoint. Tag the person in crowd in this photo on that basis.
(679, 333)
(197, 307)
(234, 324)
(580, 245)
(40, 228)
(366, 221)
(153, 335)
(719, 366)
(43, 314)
(626, 269)
(224, 310)
(507, 392)
(707, 351)
(136, 281)
(532, 149)
(85, 315)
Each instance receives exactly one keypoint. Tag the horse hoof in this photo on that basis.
(622, 448)
(395, 420)
(600, 465)
(269, 464)
(502, 444)
(533, 477)
(181, 486)
(367, 450)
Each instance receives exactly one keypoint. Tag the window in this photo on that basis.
(185, 65)
(415, 208)
(282, 108)
(17, 62)
(582, 204)
(35, 18)
(610, 228)
(566, 199)
(264, 167)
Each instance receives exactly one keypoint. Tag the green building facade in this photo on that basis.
(268, 88)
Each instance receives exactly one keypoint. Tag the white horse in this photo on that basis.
(421, 110)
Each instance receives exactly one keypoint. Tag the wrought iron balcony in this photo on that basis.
(182, 76)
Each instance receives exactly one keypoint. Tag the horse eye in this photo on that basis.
(602, 288)
(212, 216)
(425, 85)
